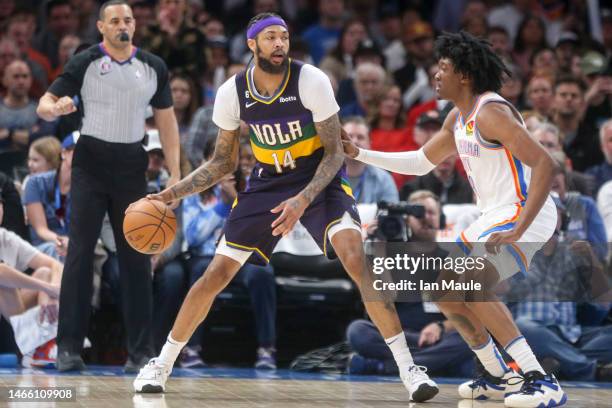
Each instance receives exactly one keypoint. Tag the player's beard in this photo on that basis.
(268, 66)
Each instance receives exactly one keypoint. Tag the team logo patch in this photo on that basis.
(469, 128)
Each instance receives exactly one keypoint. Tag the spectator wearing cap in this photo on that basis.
(370, 184)
(388, 121)
(416, 42)
(18, 119)
(47, 202)
(339, 61)
(444, 181)
(566, 49)
(540, 95)
(579, 136)
(175, 40)
(531, 36)
(324, 35)
(412, 76)
(602, 172)
(369, 82)
(597, 73)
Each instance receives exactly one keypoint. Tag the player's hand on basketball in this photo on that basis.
(64, 106)
(498, 239)
(350, 149)
(291, 210)
(430, 335)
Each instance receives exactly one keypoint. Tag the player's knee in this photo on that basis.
(451, 307)
(215, 279)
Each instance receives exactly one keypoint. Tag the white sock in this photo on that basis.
(491, 359)
(170, 351)
(522, 354)
(400, 350)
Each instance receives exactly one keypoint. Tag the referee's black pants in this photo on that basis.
(105, 177)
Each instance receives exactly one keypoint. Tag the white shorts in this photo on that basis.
(515, 257)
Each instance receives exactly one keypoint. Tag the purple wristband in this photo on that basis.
(260, 25)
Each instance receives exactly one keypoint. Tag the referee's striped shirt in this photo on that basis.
(113, 95)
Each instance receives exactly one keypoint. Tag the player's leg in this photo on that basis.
(349, 248)
(195, 308)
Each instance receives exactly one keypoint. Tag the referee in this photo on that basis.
(111, 84)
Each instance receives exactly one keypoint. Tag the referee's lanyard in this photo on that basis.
(62, 212)
(358, 187)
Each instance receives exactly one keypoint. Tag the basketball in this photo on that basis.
(149, 226)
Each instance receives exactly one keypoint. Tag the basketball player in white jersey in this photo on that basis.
(518, 216)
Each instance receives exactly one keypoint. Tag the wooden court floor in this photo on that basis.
(108, 390)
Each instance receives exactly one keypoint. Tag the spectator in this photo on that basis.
(566, 49)
(369, 82)
(7, 8)
(204, 215)
(8, 53)
(500, 42)
(323, 35)
(144, 14)
(583, 220)
(602, 172)
(20, 292)
(67, 48)
(561, 274)
(475, 25)
(86, 20)
(366, 51)
(512, 88)
(175, 40)
(412, 77)
(246, 160)
(531, 36)
(579, 137)
(604, 204)
(598, 97)
(388, 27)
(21, 29)
(18, 119)
(185, 100)
(10, 200)
(540, 95)
(433, 341)
(213, 27)
(44, 155)
(61, 20)
(544, 63)
(201, 132)
(339, 61)
(47, 202)
(389, 132)
(444, 180)
(218, 62)
(369, 184)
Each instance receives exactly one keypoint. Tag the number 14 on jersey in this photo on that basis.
(287, 161)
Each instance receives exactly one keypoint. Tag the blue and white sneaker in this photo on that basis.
(266, 358)
(538, 391)
(487, 387)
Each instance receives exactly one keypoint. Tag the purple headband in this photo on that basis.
(261, 24)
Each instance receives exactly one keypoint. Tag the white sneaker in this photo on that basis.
(152, 377)
(538, 390)
(487, 387)
(420, 387)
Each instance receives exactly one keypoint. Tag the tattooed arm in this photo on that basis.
(223, 162)
(333, 157)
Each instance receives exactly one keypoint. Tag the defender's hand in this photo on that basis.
(292, 209)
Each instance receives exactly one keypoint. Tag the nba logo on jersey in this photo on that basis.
(469, 128)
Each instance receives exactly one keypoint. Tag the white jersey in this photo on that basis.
(497, 177)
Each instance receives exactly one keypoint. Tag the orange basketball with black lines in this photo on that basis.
(149, 226)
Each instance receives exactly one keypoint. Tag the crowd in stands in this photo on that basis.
(379, 57)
